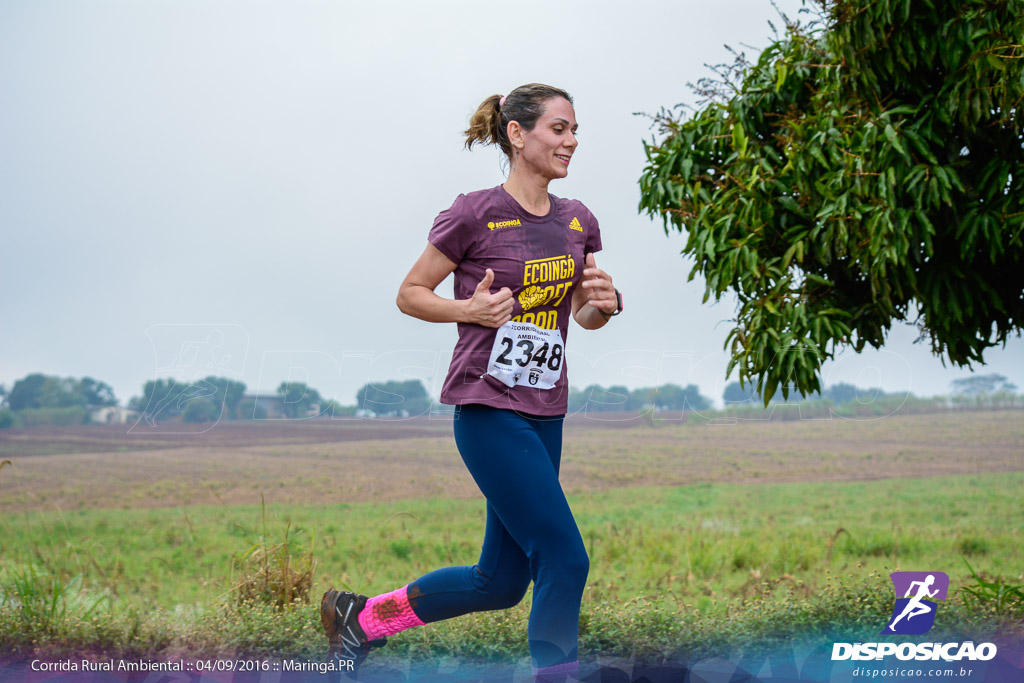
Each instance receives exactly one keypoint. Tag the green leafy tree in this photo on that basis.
(982, 384)
(675, 397)
(736, 393)
(97, 393)
(27, 392)
(226, 394)
(162, 399)
(166, 399)
(844, 393)
(618, 398)
(201, 409)
(298, 398)
(45, 391)
(334, 409)
(614, 399)
(577, 401)
(865, 170)
(383, 398)
(42, 391)
(250, 409)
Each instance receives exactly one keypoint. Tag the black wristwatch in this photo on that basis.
(618, 302)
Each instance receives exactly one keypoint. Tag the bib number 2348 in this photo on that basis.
(523, 354)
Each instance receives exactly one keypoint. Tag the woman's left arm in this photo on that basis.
(594, 301)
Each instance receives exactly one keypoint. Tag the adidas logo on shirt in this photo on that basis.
(575, 225)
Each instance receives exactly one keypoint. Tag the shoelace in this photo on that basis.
(353, 646)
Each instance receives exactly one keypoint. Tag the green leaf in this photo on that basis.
(789, 255)
(893, 138)
(995, 62)
(780, 76)
(739, 138)
(820, 280)
(818, 156)
(789, 204)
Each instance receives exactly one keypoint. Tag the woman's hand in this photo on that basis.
(489, 310)
(416, 296)
(595, 299)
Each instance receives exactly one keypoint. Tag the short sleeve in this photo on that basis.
(453, 233)
(593, 243)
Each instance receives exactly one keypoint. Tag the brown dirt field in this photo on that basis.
(141, 437)
(327, 461)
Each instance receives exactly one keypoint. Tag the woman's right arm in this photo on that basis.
(416, 296)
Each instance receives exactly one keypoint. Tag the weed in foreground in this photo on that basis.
(279, 574)
(995, 595)
(44, 601)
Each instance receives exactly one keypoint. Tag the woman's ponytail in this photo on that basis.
(525, 104)
(485, 126)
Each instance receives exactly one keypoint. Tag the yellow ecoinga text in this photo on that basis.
(545, 282)
(503, 224)
(547, 269)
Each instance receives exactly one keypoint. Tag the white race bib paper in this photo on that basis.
(525, 355)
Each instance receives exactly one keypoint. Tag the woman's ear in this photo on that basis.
(515, 134)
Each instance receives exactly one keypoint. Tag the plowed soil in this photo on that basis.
(330, 461)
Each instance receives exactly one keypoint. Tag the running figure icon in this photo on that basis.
(915, 607)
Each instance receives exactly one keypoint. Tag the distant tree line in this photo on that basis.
(837, 393)
(44, 399)
(982, 384)
(205, 400)
(991, 386)
(394, 399)
(48, 400)
(43, 391)
(619, 399)
(218, 398)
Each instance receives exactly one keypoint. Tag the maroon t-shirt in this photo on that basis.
(539, 258)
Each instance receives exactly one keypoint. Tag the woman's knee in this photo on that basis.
(511, 594)
(577, 565)
(568, 567)
(504, 590)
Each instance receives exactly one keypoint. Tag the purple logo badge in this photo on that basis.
(914, 612)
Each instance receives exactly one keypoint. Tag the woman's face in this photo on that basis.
(547, 149)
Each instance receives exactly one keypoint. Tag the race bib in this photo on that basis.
(526, 355)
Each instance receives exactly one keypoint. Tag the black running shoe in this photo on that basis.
(339, 612)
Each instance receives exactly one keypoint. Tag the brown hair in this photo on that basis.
(525, 104)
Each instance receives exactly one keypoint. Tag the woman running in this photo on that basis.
(524, 262)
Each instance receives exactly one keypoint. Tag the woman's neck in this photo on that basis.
(530, 191)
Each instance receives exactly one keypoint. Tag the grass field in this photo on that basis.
(704, 532)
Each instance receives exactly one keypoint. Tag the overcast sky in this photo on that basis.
(238, 188)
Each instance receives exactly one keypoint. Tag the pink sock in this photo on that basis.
(557, 673)
(387, 614)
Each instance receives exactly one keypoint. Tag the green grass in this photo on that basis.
(671, 567)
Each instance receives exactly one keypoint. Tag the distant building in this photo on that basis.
(261, 407)
(111, 415)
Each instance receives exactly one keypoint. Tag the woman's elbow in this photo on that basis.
(401, 301)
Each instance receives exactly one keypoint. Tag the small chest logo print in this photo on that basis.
(575, 225)
(503, 224)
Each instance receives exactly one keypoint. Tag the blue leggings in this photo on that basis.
(530, 534)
